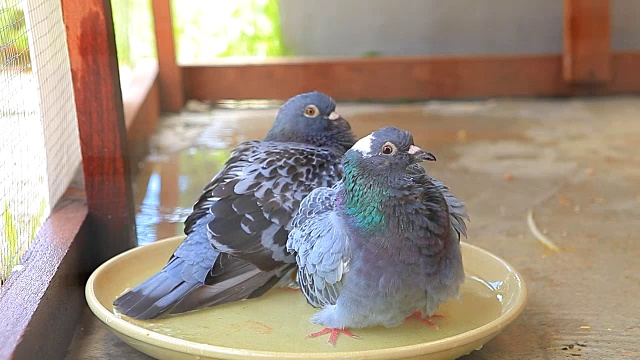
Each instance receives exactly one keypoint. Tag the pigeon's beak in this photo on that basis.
(420, 154)
(335, 117)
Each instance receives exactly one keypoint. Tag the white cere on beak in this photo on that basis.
(363, 145)
(414, 149)
(334, 116)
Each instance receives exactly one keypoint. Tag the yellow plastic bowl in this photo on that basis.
(274, 325)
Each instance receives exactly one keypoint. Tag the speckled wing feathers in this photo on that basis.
(322, 247)
(253, 198)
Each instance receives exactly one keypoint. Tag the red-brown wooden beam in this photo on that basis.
(171, 87)
(96, 85)
(41, 304)
(403, 78)
(587, 41)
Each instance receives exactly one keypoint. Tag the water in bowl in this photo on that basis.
(279, 321)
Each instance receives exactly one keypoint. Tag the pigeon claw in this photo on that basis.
(333, 334)
(426, 319)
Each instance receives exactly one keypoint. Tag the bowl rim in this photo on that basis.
(199, 349)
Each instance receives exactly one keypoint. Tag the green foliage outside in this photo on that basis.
(133, 28)
(14, 44)
(205, 30)
(261, 35)
(14, 245)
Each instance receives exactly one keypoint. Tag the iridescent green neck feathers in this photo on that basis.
(363, 200)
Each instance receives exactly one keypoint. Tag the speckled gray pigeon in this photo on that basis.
(381, 245)
(237, 232)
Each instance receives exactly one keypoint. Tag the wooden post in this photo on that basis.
(587, 37)
(171, 88)
(96, 85)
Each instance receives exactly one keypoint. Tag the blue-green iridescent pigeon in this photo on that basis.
(237, 232)
(381, 245)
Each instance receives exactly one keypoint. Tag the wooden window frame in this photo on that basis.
(41, 304)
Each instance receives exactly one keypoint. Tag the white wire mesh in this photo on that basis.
(39, 146)
(57, 106)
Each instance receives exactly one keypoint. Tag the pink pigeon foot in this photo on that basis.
(334, 333)
(426, 319)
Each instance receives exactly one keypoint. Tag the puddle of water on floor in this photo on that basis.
(168, 186)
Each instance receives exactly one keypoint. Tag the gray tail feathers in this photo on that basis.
(175, 289)
(187, 270)
(250, 284)
(157, 294)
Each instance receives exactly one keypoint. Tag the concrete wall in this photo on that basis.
(438, 27)
(625, 26)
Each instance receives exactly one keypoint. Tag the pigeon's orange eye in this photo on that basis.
(388, 148)
(311, 111)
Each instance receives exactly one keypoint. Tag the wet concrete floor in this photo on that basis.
(569, 167)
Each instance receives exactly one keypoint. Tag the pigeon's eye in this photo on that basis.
(311, 111)
(388, 148)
